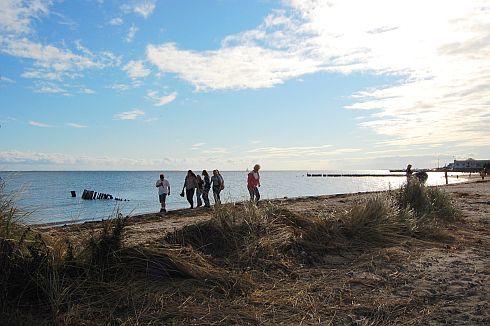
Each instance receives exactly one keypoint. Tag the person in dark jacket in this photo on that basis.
(217, 182)
(206, 188)
(199, 190)
(190, 185)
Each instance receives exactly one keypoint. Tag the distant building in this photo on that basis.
(469, 165)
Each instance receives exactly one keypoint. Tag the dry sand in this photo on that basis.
(411, 283)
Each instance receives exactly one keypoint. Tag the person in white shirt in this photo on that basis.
(163, 191)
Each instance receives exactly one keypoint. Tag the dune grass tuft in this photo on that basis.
(427, 201)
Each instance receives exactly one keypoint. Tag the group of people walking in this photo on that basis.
(201, 185)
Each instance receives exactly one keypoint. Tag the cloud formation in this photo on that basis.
(131, 33)
(39, 124)
(51, 89)
(129, 115)
(161, 100)
(116, 21)
(231, 67)
(16, 16)
(136, 69)
(49, 62)
(75, 125)
(142, 8)
(40, 160)
(439, 51)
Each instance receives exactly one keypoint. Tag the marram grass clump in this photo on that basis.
(377, 220)
(265, 236)
(241, 235)
(426, 202)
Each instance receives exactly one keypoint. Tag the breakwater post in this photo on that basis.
(332, 175)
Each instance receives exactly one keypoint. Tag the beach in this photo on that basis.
(410, 281)
(343, 147)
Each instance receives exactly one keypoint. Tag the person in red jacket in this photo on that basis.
(253, 182)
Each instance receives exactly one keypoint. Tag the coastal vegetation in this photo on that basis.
(246, 265)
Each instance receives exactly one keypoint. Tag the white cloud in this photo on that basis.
(116, 21)
(38, 74)
(120, 87)
(31, 157)
(53, 63)
(49, 62)
(136, 69)
(38, 160)
(85, 90)
(51, 89)
(237, 67)
(439, 51)
(129, 115)
(16, 16)
(197, 146)
(39, 124)
(131, 33)
(161, 100)
(76, 125)
(142, 8)
(4, 79)
(443, 56)
(135, 83)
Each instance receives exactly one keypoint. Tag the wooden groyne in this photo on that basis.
(353, 175)
(91, 195)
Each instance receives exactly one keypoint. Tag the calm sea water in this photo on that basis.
(47, 194)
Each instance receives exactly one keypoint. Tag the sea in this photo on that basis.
(45, 197)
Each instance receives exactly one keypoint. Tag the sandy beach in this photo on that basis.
(411, 282)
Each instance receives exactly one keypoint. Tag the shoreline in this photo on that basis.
(185, 211)
(147, 227)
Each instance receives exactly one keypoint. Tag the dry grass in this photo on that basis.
(247, 265)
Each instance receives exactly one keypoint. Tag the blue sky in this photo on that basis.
(293, 84)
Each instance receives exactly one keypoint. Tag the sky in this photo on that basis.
(292, 84)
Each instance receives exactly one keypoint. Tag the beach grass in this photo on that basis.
(207, 272)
